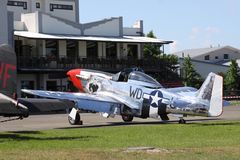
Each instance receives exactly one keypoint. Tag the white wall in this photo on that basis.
(44, 7)
(66, 14)
(101, 49)
(139, 51)
(131, 31)
(125, 51)
(19, 26)
(220, 53)
(62, 47)
(43, 47)
(110, 28)
(3, 22)
(33, 5)
(54, 26)
(82, 46)
(31, 21)
(204, 68)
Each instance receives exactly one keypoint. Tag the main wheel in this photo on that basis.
(181, 121)
(76, 121)
(127, 118)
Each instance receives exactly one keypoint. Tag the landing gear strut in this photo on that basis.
(181, 121)
(127, 118)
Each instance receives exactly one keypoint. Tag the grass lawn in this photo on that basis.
(234, 103)
(211, 140)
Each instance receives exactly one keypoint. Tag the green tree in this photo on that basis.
(231, 80)
(168, 63)
(170, 58)
(152, 50)
(190, 76)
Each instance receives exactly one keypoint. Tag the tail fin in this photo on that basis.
(212, 91)
(8, 82)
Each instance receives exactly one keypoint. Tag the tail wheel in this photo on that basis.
(127, 118)
(76, 121)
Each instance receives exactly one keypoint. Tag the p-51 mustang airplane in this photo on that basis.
(135, 94)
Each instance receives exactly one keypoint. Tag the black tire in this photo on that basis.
(127, 118)
(25, 114)
(181, 121)
(76, 121)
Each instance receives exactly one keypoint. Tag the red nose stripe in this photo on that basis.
(75, 80)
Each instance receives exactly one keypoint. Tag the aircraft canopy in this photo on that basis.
(140, 76)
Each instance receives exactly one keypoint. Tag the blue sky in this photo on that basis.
(190, 23)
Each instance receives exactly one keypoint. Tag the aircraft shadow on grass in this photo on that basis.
(23, 136)
(112, 124)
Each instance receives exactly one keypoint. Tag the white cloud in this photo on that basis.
(212, 30)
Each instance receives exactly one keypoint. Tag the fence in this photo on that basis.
(231, 94)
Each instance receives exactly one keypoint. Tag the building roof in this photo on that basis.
(201, 51)
(124, 39)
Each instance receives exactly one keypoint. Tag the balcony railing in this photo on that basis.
(66, 63)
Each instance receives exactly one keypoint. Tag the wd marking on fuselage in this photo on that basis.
(136, 93)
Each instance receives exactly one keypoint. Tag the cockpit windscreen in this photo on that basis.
(140, 76)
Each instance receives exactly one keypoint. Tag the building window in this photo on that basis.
(72, 49)
(52, 49)
(206, 57)
(71, 87)
(28, 84)
(132, 51)
(51, 86)
(37, 5)
(216, 57)
(17, 4)
(226, 56)
(60, 6)
(18, 47)
(111, 50)
(92, 50)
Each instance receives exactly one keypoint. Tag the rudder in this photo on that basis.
(212, 91)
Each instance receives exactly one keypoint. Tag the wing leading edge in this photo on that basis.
(83, 101)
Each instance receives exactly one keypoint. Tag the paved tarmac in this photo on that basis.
(59, 121)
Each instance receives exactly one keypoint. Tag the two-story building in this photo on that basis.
(212, 59)
(50, 40)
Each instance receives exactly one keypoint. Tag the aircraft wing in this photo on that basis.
(7, 108)
(83, 101)
(10, 107)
